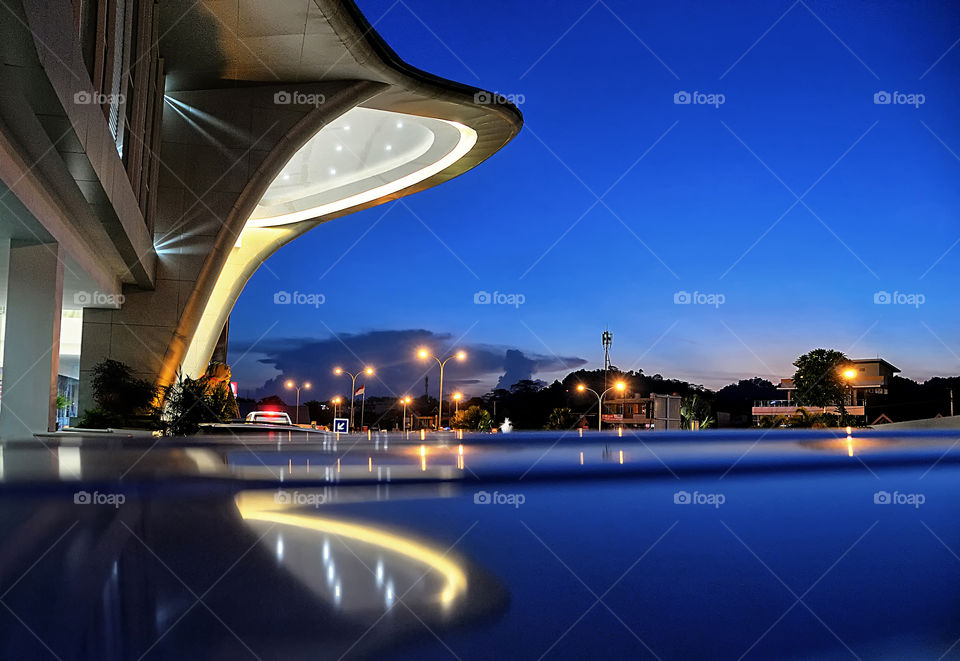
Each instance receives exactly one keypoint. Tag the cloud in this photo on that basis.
(392, 354)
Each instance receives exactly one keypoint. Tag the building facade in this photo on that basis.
(154, 153)
(868, 376)
(652, 411)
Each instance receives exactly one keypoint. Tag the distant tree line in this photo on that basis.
(533, 404)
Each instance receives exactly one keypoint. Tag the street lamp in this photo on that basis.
(336, 405)
(405, 400)
(291, 385)
(423, 354)
(353, 388)
(619, 386)
(848, 375)
(456, 399)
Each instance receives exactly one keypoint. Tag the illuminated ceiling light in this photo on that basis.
(400, 125)
(339, 147)
(428, 146)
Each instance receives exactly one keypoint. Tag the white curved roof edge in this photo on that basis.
(467, 140)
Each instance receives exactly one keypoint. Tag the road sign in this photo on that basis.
(340, 425)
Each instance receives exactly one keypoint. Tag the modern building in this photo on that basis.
(154, 153)
(868, 376)
(652, 411)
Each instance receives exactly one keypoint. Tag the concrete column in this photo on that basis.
(32, 340)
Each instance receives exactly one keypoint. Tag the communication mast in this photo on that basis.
(607, 339)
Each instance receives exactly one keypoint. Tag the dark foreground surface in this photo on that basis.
(522, 546)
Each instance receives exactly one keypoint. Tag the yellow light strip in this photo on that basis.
(468, 138)
(454, 577)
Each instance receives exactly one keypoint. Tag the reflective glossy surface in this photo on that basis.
(684, 545)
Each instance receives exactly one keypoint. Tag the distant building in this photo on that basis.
(644, 412)
(872, 377)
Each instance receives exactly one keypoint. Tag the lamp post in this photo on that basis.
(405, 400)
(353, 388)
(423, 354)
(336, 405)
(619, 385)
(291, 385)
(456, 402)
(848, 375)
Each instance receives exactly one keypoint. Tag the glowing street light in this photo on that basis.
(291, 385)
(353, 388)
(456, 399)
(405, 400)
(424, 354)
(619, 386)
(336, 405)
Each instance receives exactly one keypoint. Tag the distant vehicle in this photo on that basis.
(269, 418)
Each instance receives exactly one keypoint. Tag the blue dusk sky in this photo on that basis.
(785, 207)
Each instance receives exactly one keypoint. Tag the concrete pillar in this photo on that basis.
(32, 340)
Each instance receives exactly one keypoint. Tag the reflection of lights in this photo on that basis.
(326, 549)
(389, 594)
(581, 459)
(379, 572)
(849, 429)
(621, 456)
(369, 464)
(460, 449)
(279, 548)
(849, 446)
(330, 573)
(261, 507)
(337, 593)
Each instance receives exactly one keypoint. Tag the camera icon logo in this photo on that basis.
(483, 98)
(482, 498)
(282, 298)
(482, 298)
(882, 98)
(82, 298)
(282, 497)
(882, 298)
(282, 97)
(682, 98)
(681, 498)
(82, 97)
(881, 498)
(81, 498)
(682, 298)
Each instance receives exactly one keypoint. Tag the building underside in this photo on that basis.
(153, 154)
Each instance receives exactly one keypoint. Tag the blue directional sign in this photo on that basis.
(340, 425)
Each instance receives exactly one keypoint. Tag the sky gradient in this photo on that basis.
(784, 212)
